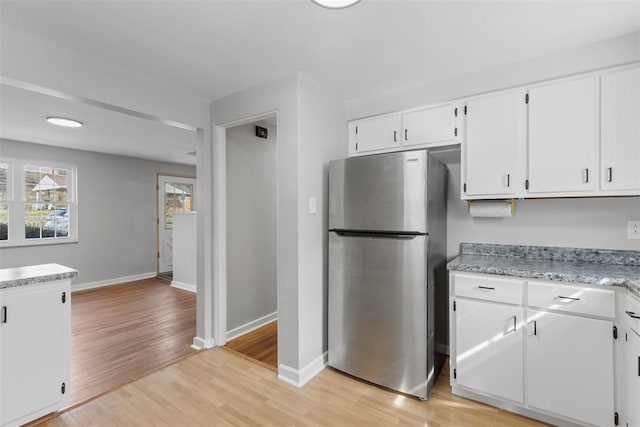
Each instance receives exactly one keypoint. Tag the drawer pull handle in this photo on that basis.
(632, 315)
(515, 327)
(4, 314)
(486, 288)
(568, 299)
(535, 327)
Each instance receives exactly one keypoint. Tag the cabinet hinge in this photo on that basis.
(63, 388)
(455, 132)
(616, 418)
(465, 110)
(356, 130)
(526, 184)
(356, 146)
(526, 99)
(464, 187)
(158, 221)
(158, 255)
(615, 332)
(455, 373)
(454, 306)
(455, 112)
(64, 297)
(157, 187)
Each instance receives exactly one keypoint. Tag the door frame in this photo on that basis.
(174, 175)
(220, 225)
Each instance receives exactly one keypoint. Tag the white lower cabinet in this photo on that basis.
(541, 348)
(35, 356)
(489, 348)
(632, 371)
(570, 366)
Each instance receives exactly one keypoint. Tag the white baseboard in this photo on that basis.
(253, 325)
(110, 282)
(183, 286)
(300, 377)
(201, 344)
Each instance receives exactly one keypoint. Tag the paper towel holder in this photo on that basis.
(512, 203)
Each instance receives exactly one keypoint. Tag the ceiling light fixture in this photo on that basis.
(61, 121)
(335, 4)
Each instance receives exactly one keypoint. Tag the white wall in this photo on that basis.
(580, 222)
(280, 96)
(251, 224)
(116, 214)
(311, 130)
(608, 53)
(323, 137)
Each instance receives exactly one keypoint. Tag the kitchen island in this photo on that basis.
(35, 349)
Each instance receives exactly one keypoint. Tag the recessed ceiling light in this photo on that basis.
(335, 4)
(61, 121)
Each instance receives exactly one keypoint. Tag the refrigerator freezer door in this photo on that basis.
(377, 310)
(384, 192)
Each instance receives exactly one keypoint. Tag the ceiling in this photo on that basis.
(214, 48)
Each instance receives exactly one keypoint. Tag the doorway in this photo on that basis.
(175, 194)
(251, 204)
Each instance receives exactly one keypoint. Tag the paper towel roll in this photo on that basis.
(490, 208)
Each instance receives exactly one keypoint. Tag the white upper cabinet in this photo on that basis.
(429, 126)
(620, 130)
(489, 147)
(376, 133)
(563, 136)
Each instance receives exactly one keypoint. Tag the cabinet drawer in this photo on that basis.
(489, 288)
(572, 299)
(632, 313)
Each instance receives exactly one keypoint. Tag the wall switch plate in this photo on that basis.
(633, 229)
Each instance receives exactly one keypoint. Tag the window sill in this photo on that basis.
(26, 244)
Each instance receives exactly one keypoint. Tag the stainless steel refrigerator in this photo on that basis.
(387, 256)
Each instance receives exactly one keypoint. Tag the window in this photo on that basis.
(37, 203)
(177, 198)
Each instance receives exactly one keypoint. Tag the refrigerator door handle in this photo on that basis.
(377, 235)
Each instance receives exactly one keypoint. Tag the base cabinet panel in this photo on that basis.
(570, 366)
(34, 338)
(489, 343)
(633, 378)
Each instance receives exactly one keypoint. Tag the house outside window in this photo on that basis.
(37, 203)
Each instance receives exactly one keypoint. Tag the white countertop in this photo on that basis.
(22, 276)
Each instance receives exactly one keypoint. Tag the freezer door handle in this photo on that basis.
(377, 235)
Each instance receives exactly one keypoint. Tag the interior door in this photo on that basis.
(175, 194)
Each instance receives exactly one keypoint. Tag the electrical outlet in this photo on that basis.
(633, 229)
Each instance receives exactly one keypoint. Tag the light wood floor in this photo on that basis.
(120, 333)
(260, 345)
(216, 387)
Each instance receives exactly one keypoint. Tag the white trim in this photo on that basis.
(201, 344)
(110, 282)
(184, 286)
(298, 378)
(251, 326)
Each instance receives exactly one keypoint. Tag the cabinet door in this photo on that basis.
(489, 348)
(32, 342)
(633, 378)
(620, 130)
(490, 145)
(563, 136)
(570, 366)
(429, 126)
(378, 133)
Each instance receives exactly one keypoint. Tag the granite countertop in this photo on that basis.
(22, 276)
(572, 265)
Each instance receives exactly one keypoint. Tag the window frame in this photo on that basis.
(17, 200)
